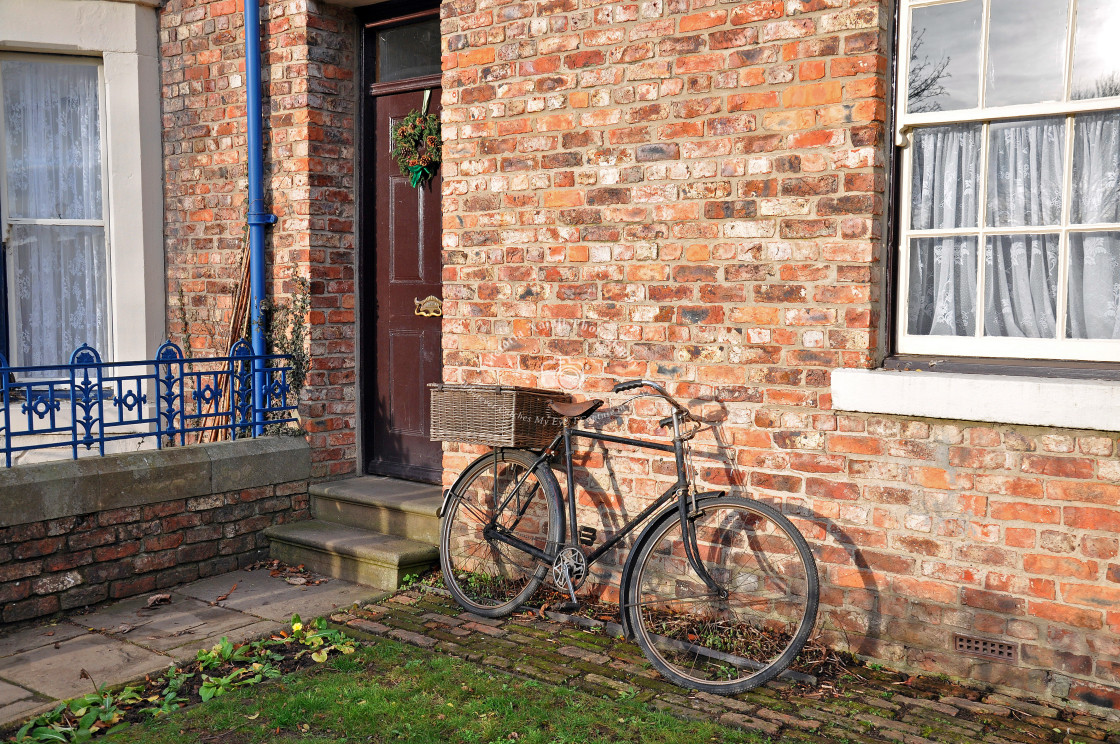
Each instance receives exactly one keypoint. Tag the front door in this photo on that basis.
(401, 263)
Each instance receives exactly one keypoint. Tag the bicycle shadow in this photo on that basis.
(851, 605)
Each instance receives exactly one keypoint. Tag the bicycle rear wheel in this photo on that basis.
(486, 576)
(724, 644)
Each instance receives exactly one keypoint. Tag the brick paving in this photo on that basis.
(861, 706)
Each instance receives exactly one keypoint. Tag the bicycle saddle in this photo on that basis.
(580, 410)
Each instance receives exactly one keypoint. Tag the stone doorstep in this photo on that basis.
(361, 556)
(387, 505)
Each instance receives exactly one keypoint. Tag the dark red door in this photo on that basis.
(406, 289)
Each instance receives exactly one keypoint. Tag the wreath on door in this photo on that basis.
(417, 145)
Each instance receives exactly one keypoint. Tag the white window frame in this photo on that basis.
(106, 206)
(979, 345)
(125, 36)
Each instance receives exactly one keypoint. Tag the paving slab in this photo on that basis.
(244, 634)
(35, 637)
(16, 702)
(164, 627)
(272, 598)
(55, 672)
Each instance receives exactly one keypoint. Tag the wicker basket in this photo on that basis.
(497, 415)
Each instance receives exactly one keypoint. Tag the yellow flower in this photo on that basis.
(297, 627)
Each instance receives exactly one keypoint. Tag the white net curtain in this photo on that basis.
(1024, 187)
(58, 277)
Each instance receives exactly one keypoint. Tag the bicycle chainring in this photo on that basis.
(574, 560)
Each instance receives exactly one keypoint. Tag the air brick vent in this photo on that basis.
(973, 646)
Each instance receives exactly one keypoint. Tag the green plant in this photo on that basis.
(320, 639)
(285, 326)
(78, 720)
(213, 687)
(222, 652)
(170, 699)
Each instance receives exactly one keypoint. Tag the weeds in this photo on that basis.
(230, 666)
(80, 719)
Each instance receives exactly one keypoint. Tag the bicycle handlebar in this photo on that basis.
(622, 386)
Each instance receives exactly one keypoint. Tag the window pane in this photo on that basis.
(945, 57)
(1096, 169)
(1094, 286)
(1025, 173)
(408, 51)
(53, 147)
(942, 286)
(1021, 286)
(1026, 51)
(60, 291)
(945, 185)
(1096, 63)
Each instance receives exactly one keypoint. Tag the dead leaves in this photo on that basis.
(158, 599)
(294, 575)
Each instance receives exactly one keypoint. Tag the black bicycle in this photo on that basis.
(719, 591)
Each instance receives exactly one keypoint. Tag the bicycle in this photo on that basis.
(719, 591)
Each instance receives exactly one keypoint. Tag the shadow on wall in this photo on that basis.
(851, 614)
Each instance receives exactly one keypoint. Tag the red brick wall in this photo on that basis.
(310, 97)
(72, 562)
(693, 191)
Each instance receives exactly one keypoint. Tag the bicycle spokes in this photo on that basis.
(724, 635)
(497, 496)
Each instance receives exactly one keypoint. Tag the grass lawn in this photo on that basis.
(389, 692)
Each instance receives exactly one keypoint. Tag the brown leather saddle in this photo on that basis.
(576, 411)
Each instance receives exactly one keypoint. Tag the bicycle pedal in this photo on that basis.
(587, 535)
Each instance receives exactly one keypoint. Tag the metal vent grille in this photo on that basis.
(973, 646)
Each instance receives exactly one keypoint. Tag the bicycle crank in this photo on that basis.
(569, 571)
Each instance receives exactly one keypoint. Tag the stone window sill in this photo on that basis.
(1033, 401)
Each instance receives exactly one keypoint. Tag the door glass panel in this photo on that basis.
(945, 57)
(1025, 173)
(1021, 286)
(1096, 62)
(1094, 286)
(942, 286)
(408, 51)
(59, 291)
(53, 140)
(1026, 51)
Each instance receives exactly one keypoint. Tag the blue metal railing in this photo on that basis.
(88, 402)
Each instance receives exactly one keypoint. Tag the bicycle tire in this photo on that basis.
(724, 645)
(488, 577)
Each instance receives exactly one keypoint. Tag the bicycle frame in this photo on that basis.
(681, 489)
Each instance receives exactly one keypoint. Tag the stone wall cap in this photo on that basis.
(64, 488)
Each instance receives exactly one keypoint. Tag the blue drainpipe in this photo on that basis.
(258, 217)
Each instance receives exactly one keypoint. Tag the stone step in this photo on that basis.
(387, 505)
(351, 553)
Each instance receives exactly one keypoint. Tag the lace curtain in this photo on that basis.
(945, 195)
(1094, 271)
(1024, 190)
(59, 297)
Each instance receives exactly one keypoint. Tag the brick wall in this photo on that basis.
(77, 533)
(73, 562)
(693, 191)
(309, 73)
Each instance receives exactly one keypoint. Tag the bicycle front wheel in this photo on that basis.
(727, 641)
(484, 574)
